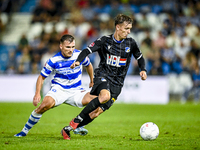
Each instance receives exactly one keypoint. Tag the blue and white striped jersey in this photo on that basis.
(66, 77)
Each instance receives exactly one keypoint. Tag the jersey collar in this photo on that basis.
(116, 40)
(64, 56)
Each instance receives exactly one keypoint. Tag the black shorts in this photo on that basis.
(102, 83)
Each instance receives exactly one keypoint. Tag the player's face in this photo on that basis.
(67, 48)
(123, 30)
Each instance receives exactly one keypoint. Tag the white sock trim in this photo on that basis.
(36, 114)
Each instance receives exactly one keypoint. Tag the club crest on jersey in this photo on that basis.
(54, 90)
(103, 79)
(91, 45)
(127, 49)
(115, 60)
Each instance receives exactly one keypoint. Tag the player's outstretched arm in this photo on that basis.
(37, 96)
(76, 63)
(80, 58)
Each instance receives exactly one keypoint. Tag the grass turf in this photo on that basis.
(118, 128)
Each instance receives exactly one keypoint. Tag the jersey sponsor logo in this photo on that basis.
(91, 45)
(127, 49)
(68, 70)
(115, 60)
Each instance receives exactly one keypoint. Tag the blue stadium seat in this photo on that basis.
(135, 8)
(4, 56)
(28, 6)
(166, 68)
(177, 67)
(156, 9)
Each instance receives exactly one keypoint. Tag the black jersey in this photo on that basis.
(115, 57)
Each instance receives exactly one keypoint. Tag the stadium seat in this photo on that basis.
(156, 9)
(138, 16)
(135, 8)
(152, 20)
(35, 30)
(48, 27)
(4, 58)
(141, 36)
(104, 17)
(185, 81)
(179, 83)
(145, 8)
(166, 68)
(28, 6)
(4, 18)
(60, 26)
(173, 84)
(162, 17)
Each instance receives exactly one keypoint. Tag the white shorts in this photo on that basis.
(68, 96)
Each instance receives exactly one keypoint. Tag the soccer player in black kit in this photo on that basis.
(115, 53)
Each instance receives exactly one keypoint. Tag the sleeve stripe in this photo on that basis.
(86, 62)
(43, 75)
(139, 57)
(89, 49)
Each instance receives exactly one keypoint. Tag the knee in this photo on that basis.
(104, 97)
(43, 108)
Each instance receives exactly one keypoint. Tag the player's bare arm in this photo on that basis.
(89, 70)
(39, 84)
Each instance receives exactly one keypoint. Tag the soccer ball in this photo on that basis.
(149, 131)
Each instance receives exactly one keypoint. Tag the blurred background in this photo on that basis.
(167, 32)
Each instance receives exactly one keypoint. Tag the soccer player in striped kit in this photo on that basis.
(115, 53)
(66, 84)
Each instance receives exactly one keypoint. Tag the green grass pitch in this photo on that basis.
(116, 129)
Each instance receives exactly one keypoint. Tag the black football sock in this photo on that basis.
(86, 120)
(92, 105)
